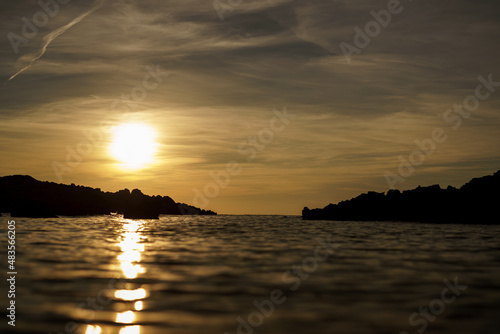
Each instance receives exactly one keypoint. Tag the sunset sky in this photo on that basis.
(214, 84)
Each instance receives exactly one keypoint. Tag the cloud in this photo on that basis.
(47, 39)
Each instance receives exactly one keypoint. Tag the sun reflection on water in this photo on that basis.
(126, 317)
(119, 304)
(93, 330)
(131, 294)
(131, 330)
(129, 260)
(131, 248)
(138, 306)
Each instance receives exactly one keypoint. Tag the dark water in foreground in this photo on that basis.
(207, 274)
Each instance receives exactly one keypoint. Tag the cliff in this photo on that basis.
(474, 202)
(24, 196)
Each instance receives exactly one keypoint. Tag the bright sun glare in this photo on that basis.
(134, 145)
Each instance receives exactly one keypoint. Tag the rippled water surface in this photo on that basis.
(253, 274)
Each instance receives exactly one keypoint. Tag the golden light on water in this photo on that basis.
(131, 294)
(93, 330)
(131, 246)
(130, 256)
(131, 330)
(125, 317)
(130, 270)
(134, 145)
(131, 250)
(129, 259)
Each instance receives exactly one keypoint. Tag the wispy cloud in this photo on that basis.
(29, 60)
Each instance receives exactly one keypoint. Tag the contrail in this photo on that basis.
(47, 39)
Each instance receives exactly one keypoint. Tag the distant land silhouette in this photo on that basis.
(475, 202)
(24, 196)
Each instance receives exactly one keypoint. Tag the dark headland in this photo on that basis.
(24, 196)
(476, 202)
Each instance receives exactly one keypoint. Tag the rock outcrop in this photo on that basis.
(474, 202)
(24, 196)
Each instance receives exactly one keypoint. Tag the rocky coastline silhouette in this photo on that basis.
(24, 196)
(474, 202)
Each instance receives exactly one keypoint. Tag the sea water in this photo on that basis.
(251, 274)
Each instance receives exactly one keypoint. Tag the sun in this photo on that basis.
(134, 145)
